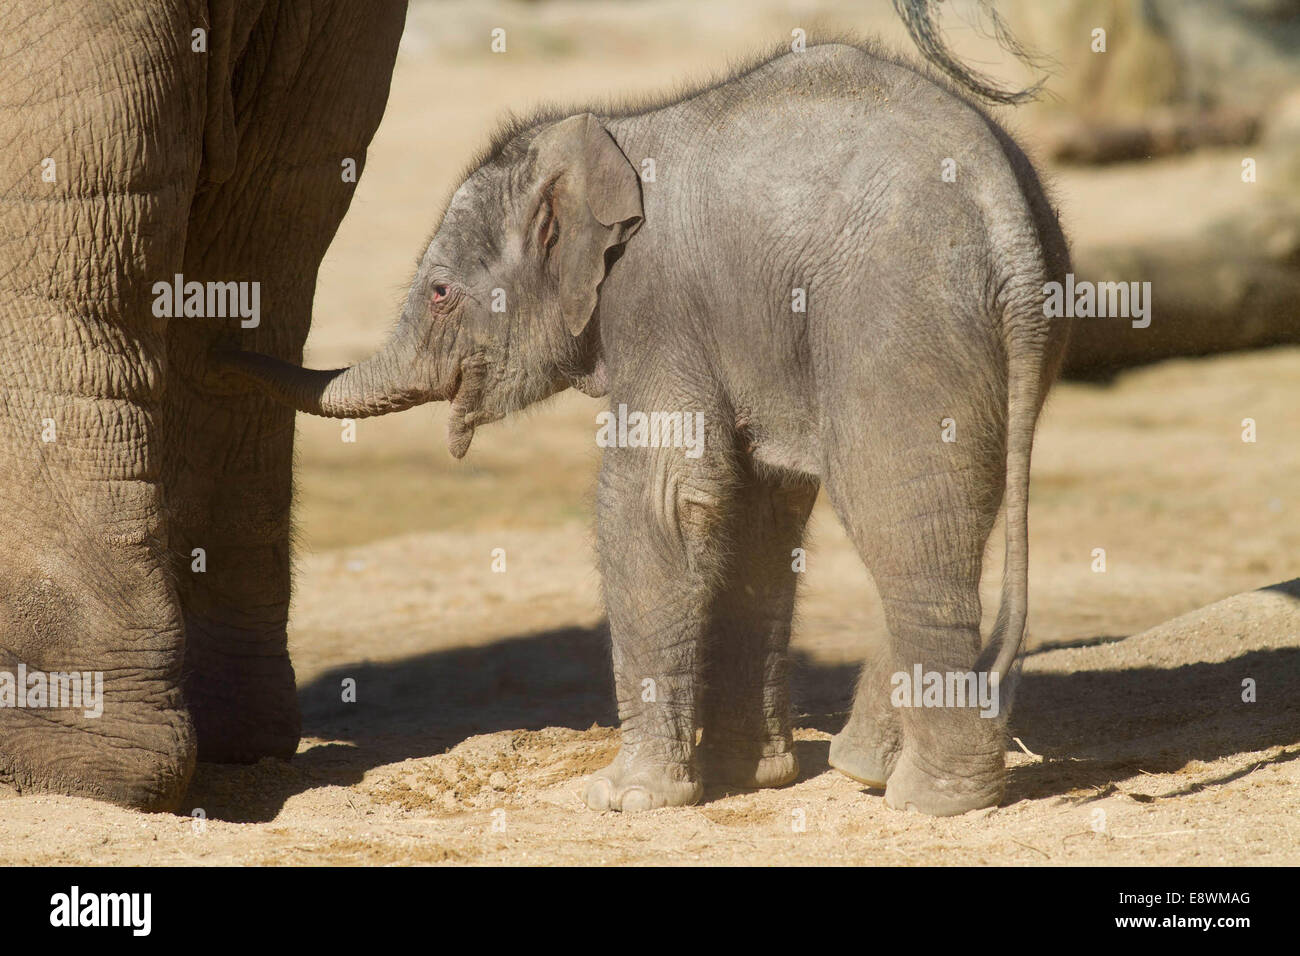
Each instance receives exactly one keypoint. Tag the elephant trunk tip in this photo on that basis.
(376, 386)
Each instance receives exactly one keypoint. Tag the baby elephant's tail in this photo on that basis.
(919, 18)
(1029, 355)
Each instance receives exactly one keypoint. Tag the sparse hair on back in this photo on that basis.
(507, 141)
(623, 106)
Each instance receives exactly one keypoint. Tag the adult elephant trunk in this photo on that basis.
(391, 380)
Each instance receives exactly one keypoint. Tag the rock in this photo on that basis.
(1236, 288)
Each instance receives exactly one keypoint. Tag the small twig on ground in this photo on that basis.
(1034, 848)
(1021, 744)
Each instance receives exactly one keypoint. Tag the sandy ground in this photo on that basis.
(484, 698)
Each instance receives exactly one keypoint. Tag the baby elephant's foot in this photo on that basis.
(867, 757)
(749, 765)
(968, 785)
(628, 786)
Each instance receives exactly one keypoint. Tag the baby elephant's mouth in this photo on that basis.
(466, 394)
(449, 394)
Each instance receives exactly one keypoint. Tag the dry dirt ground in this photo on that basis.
(483, 698)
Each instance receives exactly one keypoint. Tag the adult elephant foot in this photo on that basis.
(91, 638)
(142, 756)
(241, 693)
(102, 718)
(628, 785)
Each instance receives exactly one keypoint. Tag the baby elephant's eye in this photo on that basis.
(439, 293)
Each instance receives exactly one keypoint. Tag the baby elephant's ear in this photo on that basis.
(595, 200)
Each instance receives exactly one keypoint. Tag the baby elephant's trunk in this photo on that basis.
(385, 382)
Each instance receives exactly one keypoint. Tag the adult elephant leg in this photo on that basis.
(309, 87)
(101, 125)
(747, 739)
(659, 521)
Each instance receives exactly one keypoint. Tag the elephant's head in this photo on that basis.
(499, 313)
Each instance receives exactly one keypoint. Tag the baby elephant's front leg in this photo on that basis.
(658, 517)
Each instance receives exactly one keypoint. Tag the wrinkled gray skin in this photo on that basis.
(819, 171)
(222, 165)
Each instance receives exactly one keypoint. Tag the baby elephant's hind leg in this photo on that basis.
(747, 741)
(919, 511)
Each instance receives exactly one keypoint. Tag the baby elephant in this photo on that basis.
(832, 264)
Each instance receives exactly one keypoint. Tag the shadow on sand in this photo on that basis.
(1092, 727)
